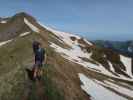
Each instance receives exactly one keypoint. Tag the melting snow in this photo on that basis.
(24, 34)
(5, 42)
(97, 91)
(34, 28)
(120, 89)
(128, 64)
(74, 55)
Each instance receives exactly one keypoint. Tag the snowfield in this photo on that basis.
(97, 91)
(33, 27)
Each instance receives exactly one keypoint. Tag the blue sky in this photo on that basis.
(95, 19)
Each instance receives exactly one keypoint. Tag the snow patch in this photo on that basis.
(33, 27)
(24, 34)
(88, 42)
(3, 21)
(111, 66)
(97, 91)
(73, 53)
(128, 64)
(5, 42)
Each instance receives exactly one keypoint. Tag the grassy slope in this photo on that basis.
(60, 76)
(14, 58)
(59, 84)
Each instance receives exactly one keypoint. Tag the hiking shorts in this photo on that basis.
(38, 64)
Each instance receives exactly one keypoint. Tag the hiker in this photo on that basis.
(40, 57)
(35, 46)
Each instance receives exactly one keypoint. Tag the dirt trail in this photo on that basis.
(38, 89)
(39, 92)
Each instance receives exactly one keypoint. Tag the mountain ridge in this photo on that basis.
(75, 57)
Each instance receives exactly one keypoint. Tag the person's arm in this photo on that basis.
(45, 58)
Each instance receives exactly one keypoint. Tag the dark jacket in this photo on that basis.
(40, 55)
(35, 46)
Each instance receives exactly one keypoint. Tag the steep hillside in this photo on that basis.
(76, 68)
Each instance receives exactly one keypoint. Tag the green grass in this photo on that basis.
(51, 92)
(14, 57)
(12, 86)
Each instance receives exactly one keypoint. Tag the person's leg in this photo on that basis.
(39, 73)
(35, 73)
(35, 70)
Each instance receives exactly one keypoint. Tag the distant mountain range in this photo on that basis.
(124, 47)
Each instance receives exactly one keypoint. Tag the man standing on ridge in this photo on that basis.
(40, 57)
